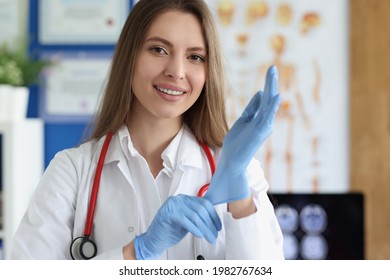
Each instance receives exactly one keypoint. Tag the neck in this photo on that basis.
(152, 138)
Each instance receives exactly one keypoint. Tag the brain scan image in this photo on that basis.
(290, 246)
(314, 247)
(313, 218)
(287, 217)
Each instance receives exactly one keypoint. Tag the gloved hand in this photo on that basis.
(177, 216)
(229, 182)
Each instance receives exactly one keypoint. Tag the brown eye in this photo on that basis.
(197, 58)
(158, 50)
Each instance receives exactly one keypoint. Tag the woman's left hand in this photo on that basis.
(241, 143)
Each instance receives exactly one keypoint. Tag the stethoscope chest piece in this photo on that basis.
(83, 248)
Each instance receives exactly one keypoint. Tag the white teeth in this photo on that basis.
(170, 92)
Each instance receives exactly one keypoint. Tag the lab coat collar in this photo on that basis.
(190, 151)
(184, 150)
(115, 150)
(170, 154)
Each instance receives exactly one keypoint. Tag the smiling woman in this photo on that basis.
(207, 117)
(170, 70)
(157, 136)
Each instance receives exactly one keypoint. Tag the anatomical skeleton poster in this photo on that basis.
(308, 42)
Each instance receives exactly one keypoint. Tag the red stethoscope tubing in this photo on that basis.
(99, 168)
(211, 160)
(95, 186)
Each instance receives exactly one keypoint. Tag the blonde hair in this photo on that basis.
(207, 117)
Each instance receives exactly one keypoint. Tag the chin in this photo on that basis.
(168, 115)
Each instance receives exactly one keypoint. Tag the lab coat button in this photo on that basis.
(130, 229)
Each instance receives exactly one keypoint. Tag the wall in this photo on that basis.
(57, 136)
(370, 118)
(62, 134)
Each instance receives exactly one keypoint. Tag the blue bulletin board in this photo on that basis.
(64, 129)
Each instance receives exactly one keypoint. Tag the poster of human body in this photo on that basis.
(308, 41)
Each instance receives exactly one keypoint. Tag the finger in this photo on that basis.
(194, 223)
(189, 225)
(271, 84)
(205, 210)
(271, 112)
(252, 107)
(209, 208)
(204, 217)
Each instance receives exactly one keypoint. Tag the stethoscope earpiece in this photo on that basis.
(83, 248)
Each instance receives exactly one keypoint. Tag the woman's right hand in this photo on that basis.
(177, 216)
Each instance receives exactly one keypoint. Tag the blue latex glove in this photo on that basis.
(229, 182)
(177, 216)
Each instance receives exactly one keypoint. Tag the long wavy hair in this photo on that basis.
(206, 117)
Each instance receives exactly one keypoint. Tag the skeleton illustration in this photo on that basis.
(242, 23)
(291, 108)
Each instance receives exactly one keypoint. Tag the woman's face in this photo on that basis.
(170, 68)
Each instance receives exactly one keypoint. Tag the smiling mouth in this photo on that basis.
(170, 92)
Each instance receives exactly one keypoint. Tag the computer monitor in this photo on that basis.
(321, 226)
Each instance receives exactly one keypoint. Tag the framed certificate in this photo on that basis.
(72, 86)
(12, 22)
(65, 22)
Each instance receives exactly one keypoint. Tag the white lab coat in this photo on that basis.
(58, 209)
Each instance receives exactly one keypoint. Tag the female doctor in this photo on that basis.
(163, 100)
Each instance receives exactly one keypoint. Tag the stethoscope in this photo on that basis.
(83, 247)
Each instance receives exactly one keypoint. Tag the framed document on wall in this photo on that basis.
(73, 85)
(12, 22)
(81, 22)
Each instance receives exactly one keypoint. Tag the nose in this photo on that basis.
(175, 68)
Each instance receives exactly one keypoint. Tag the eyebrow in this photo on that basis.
(169, 44)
